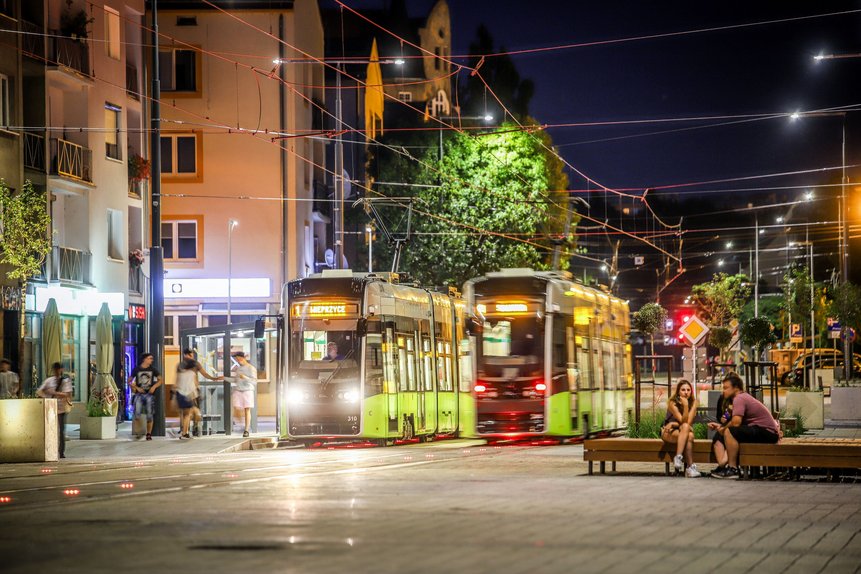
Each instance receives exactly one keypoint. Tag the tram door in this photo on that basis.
(391, 376)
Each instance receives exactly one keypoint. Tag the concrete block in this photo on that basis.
(846, 403)
(98, 428)
(811, 405)
(28, 430)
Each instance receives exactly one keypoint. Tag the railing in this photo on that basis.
(67, 264)
(70, 53)
(33, 40)
(71, 160)
(132, 88)
(34, 151)
(136, 280)
(137, 188)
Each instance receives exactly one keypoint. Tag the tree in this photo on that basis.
(720, 338)
(505, 183)
(24, 239)
(721, 299)
(846, 306)
(649, 320)
(757, 332)
(771, 308)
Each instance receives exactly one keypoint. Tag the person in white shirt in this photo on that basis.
(59, 386)
(244, 387)
(10, 384)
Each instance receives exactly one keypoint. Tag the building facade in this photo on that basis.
(238, 176)
(79, 126)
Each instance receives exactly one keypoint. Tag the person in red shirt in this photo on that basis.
(751, 422)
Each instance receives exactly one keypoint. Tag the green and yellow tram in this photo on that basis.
(552, 357)
(367, 358)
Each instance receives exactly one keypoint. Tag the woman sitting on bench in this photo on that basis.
(678, 427)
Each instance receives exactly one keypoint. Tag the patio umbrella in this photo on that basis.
(52, 340)
(103, 395)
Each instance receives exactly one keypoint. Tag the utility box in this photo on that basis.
(28, 430)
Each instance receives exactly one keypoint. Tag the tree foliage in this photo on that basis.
(500, 183)
(757, 332)
(721, 299)
(649, 319)
(25, 240)
(720, 338)
(796, 293)
(846, 305)
(771, 308)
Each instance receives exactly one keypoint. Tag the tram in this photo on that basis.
(552, 357)
(365, 357)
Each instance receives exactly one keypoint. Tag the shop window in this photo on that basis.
(112, 131)
(112, 33)
(179, 155)
(179, 240)
(178, 70)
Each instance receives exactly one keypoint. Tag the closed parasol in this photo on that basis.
(103, 394)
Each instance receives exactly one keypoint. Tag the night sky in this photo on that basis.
(759, 69)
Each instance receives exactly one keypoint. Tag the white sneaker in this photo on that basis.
(679, 463)
(692, 472)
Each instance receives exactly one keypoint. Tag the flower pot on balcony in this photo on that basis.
(846, 404)
(98, 428)
(809, 404)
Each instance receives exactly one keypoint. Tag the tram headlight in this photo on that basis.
(351, 396)
(296, 397)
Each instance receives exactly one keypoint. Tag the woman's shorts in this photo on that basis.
(184, 402)
(243, 399)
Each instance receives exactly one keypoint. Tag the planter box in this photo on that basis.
(28, 430)
(98, 428)
(846, 403)
(811, 406)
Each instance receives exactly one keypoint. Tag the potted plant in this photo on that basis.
(73, 23)
(136, 258)
(139, 170)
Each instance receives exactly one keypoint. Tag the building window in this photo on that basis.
(115, 234)
(179, 155)
(405, 96)
(112, 33)
(174, 325)
(113, 114)
(178, 70)
(179, 240)
(5, 100)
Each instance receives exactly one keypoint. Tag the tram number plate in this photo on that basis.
(352, 419)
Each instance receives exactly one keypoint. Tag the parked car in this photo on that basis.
(825, 359)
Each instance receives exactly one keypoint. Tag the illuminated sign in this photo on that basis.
(205, 288)
(76, 301)
(512, 307)
(137, 312)
(324, 309)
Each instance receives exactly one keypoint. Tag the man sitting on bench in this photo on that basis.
(751, 422)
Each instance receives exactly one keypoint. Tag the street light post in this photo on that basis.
(231, 223)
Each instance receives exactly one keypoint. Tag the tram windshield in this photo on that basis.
(330, 347)
(511, 346)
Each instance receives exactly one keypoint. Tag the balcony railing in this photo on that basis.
(69, 53)
(34, 151)
(33, 40)
(68, 265)
(136, 280)
(132, 88)
(71, 160)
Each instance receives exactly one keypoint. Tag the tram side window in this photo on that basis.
(465, 357)
(621, 377)
(559, 360)
(584, 362)
(427, 363)
(411, 363)
(390, 363)
(443, 350)
(373, 364)
(609, 361)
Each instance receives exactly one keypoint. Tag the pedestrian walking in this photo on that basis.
(188, 354)
(244, 387)
(186, 394)
(144, 380)
(58, 386)
(10, 384)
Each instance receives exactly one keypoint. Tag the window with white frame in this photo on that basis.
(115, 234)
(112, 33)
(174, 325)
(113, 115)
(179, 240)
(179, 154)
(5, 102)
(178, 70)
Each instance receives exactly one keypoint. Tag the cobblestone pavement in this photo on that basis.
(453, 506)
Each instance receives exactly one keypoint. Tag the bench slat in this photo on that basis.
(798, 461)
(631, 456)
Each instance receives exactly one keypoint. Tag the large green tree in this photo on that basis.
(505, 182)
(721, 299)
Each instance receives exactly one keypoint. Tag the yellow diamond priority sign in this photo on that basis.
(694, 330)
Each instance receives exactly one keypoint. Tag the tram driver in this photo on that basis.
(332, 352)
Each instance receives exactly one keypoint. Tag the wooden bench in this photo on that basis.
(790, 453)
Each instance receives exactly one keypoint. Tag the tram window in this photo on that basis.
(448, 371)
(584, 361)
(609, 362)
(402, 363)
(326, 345)
(411, 364)
(560, 356)
(427, 364)
(507, 338)
(621, 379)
(465, 366)
(373, 364)
(443, 363)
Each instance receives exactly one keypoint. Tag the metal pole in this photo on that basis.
(230, 224)
(812, 321)
(156, 326)
(844, 260)
(338, 218)
(370, 230)
(756, 274)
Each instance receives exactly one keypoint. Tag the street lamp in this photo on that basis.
(231, 223)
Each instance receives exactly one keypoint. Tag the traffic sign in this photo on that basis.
(795, 333)
(694, 330)
(833, 328)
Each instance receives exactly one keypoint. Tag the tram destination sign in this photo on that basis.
(325, 309)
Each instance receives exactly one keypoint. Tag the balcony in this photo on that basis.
(136, 280)
(71, 160)
(69, 53)
(33, 39)
(67, 265)
(34, 151)
(132, 88)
